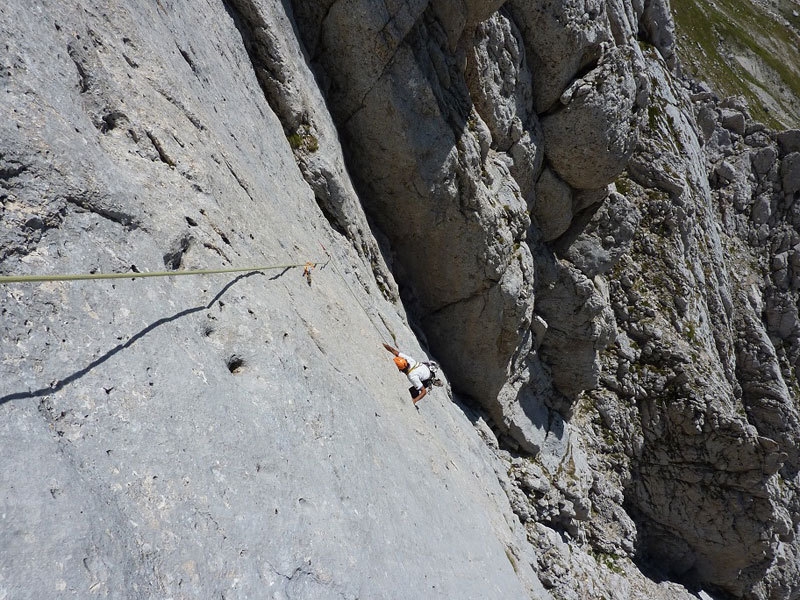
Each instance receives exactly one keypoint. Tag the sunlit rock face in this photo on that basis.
(603, 257)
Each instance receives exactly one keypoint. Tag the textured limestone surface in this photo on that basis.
(603, 256)
(226, 436)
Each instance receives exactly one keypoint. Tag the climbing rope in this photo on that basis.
(352, 293)
(132, 275)
(307, 268)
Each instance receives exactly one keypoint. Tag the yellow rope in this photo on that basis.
(352, 293)
(132, 275)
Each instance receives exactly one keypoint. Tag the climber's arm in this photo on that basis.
(421, 395)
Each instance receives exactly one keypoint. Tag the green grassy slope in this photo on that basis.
(747, 49)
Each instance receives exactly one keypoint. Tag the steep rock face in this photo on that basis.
(581, 116)
(605, 258)
(446, 145)
(712, 481)
(237, 436)
(589, 140)
(431, 181)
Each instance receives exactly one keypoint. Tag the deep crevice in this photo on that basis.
(267, 68)
(330, 216)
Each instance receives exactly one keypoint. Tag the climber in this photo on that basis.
(422, 375)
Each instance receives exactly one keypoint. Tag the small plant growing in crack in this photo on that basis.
(303, 139)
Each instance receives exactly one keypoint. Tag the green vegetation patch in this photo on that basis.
(303, 139)
(706, 29)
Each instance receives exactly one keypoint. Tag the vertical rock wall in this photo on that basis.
(467, 170)
(226, 436)
(626, 290)
(697, 392)
(605, 260)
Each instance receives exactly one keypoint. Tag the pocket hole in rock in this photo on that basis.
(235, 364)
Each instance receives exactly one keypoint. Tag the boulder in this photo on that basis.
(562, 39)
(553, 207)
(790, 174)
(733, 120)
(725, 171)
(764, 159)
(789, 141)
(590, 139)
(707, 120)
